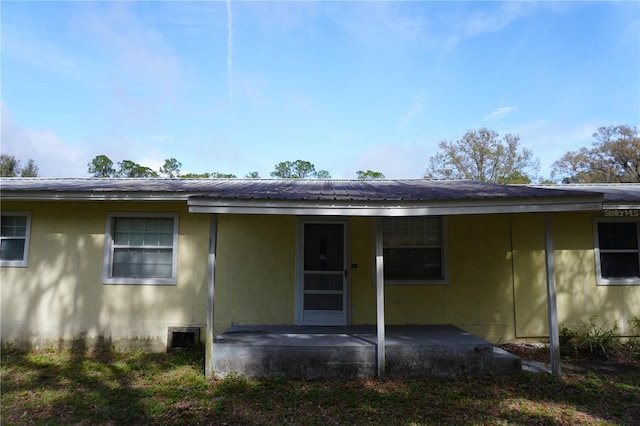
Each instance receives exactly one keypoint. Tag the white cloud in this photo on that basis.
(22, 45)
(380, 23)
(145, 75)
(498, 113)
(485, 21)
(54, 156)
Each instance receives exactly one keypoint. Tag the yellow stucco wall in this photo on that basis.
(497, 286)
(496, 289)
(479, 295)
(255, 270)
(579, 296)
(60, 294)
(529, 276)
(255, 276)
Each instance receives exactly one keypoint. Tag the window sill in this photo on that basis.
(416, 282)
(618, 281)
(139, 281)
(13, 264)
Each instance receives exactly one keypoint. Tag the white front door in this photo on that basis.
(323, 273)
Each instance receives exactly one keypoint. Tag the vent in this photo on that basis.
(183, 338)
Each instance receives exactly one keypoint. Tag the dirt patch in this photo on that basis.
(624, 359)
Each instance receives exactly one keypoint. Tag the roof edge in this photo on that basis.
(391, 208)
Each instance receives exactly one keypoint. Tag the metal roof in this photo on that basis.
(289, 189)
(613, 192)
(317, 197)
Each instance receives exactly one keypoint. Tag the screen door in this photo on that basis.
(324, 275)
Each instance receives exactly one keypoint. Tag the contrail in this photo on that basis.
(229, 49)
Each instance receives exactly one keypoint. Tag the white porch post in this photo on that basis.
(209, 335)
(552, 308)
(380, 297)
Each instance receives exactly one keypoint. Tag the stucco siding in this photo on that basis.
(579, 296)
(496, 287)
(529, 276)
(60, 294)
(255, 270)
(478, 297)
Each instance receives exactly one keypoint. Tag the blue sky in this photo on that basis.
(236, 87)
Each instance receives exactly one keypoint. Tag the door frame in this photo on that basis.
(299, 290)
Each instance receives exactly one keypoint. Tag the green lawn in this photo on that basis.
(112, 388)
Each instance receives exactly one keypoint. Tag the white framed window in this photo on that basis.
(141, 248)
(617, 251)
(415, 250)
(15, 230)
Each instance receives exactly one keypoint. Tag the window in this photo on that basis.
(14, 238)
(414, 250)
(141, 248)
(617, 251)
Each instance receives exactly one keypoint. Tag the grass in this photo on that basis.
(113, 388)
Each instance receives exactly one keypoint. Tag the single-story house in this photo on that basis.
(155, 263)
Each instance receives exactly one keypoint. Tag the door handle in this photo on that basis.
(345, 273)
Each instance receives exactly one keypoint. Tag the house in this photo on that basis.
(160, 263)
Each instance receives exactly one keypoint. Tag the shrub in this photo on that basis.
(592, 338)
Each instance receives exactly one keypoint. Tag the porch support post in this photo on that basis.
(552, 308)
(211, 268)
(380, 297)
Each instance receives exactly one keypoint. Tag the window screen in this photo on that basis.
(413, 249)
(141, 248)
(14, 234)
(618, 254)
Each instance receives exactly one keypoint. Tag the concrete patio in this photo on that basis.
(350, 352)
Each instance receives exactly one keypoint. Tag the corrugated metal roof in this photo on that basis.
(613, 192)
(302, 189)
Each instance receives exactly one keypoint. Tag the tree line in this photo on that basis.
(10, 166)
(480, 155)
(102, 167)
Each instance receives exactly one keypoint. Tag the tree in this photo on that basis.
(101, 166)
(614, 156)
(171, 168)
(196, 176)
(369, 175)
(10, 167)
(218, 175)
(129, 169)
(214, 175)
(323, 174)
(252, 175)
(298, 169)
(483, 156)
(30, 170)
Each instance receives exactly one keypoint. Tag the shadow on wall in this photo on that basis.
(59, 299)
(579, 295)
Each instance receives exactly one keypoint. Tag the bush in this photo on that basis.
(592, 338)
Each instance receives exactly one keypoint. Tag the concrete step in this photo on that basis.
(505, 363)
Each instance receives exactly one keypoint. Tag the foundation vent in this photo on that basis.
(182, 338)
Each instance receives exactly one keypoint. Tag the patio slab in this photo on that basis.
(350, 352)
